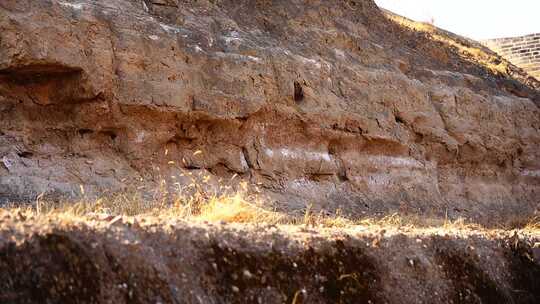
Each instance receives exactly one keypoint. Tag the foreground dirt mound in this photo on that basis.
(318, 102)
(147, 260)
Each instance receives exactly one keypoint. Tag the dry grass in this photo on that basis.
(239, 205)
(189, 203)
(533, 225)
(467, 49)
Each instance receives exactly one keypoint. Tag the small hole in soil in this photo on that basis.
(342, 176)
(298, 92)
(25, 154)
(399, 120)
(111, 134)
(83, 132)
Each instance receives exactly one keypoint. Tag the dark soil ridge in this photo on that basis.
(178, 262)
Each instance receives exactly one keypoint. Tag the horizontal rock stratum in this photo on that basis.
(328, 103)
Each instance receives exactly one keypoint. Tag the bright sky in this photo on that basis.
(477, 19)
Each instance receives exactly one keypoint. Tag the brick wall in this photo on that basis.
(523, 51)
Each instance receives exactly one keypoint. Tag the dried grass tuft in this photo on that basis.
(234, 205)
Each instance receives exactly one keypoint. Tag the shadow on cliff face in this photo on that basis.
(343, 274)
(51, 83)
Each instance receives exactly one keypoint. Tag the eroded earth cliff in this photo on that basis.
(327, 103)
(336, 115)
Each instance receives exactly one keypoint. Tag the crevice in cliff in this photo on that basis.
(298, 92)
(47, 84)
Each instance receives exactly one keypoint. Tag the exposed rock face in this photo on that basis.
(323, 102)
